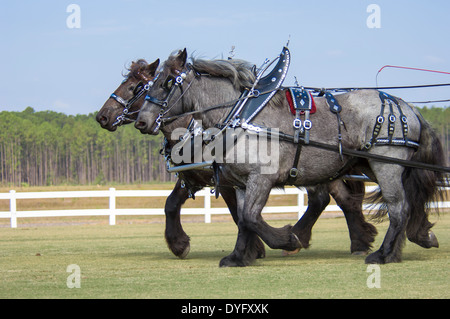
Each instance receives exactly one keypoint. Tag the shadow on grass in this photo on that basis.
(272, 256)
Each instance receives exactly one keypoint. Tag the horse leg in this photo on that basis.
(318, 199)
(243, 253)
(229, 196)
(250, 204)
(176, 238)
(389, 179)
(349, 197)
(422, 235)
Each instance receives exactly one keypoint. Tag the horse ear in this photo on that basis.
(181, 58)
(151, 68)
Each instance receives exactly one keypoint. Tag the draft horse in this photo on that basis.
(122, 108)
(404, 191)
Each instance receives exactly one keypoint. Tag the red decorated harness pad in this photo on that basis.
(300, 99)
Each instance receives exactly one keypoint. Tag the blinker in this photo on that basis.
(138, 88)
(169, 82)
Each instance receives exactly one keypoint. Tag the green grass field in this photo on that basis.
(132, 261)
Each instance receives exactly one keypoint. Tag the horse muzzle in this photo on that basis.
(105, 122)
(148, 127)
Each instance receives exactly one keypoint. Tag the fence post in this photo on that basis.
(13, 208)
(208, 205)
(112, 206)
(300, 203)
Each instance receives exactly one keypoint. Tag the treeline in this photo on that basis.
(49, 148)
(439, 118)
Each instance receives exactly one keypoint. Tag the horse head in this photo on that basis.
(164, 96)
(126, 101)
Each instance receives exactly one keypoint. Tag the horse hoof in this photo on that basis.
(375, 258)
(286, 253)
(429, 242)
(233, 261)
(433, 239)
(361, 253)
(360, 247)
(295, 242)
(185, 252)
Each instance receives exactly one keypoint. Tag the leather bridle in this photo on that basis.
(139, 91)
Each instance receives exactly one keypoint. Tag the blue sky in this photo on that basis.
(46, 65)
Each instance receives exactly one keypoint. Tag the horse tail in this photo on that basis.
(422, 186)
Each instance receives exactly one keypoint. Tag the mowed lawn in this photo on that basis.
(133, 261)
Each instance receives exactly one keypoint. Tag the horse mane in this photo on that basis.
(239, 72)
(135, 69)
(277, 100)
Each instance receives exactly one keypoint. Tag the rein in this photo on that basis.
(179, 80)
(354, 153)
(210, 108)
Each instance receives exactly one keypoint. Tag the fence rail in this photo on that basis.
(13, 214)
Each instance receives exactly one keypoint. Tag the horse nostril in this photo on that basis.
(103, 120)
(140, 125)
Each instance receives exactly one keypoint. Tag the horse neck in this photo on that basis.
(211, 91)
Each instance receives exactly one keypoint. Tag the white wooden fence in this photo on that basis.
(112, 211)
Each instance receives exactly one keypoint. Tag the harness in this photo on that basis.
(389, 100)
(140, 90)
(166, 151)
(336, 108)
(264, 88)
(171, 84)
(302, 105)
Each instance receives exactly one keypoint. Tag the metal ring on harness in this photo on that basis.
(254, 93)
(293, 172)
(307, 124)
(404, 119)
(179, 79)
(158, 122)
(380, 119)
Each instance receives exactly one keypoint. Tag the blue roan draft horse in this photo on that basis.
(349, 122)
(122, 108)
